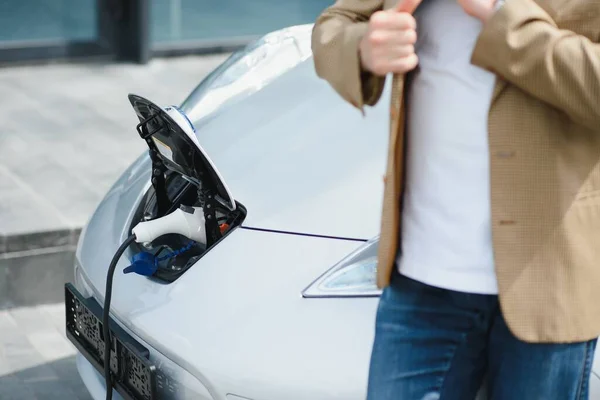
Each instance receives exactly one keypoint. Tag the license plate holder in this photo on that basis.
(134, 375)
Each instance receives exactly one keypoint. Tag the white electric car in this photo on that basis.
(279, 301)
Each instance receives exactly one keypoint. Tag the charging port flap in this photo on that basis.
(173, 145)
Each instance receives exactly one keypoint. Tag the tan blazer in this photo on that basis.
(544, 144)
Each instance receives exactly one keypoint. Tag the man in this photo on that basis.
(490, 237)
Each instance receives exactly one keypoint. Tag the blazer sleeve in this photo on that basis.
(335, 44)
(523, 45)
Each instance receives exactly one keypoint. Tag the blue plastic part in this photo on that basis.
(146, 264)
(142, 264)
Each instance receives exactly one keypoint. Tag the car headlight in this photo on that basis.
(250, 69)
(353, 276)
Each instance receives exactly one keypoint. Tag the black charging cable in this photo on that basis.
(106, 314)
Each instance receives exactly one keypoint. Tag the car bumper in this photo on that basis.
(172, 381)
(93, 381)
(179, 385)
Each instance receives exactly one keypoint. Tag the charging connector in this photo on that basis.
(187, 221)
(146, 264)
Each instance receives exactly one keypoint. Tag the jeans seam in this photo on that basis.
(449, 365)
(581, 390)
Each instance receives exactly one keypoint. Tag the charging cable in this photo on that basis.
(106, 314)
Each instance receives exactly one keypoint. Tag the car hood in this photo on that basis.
(300, 158)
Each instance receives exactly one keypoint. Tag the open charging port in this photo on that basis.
(183, 176)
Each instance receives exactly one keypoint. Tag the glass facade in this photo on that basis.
(188, 20)
(48, 20)
(136, 30)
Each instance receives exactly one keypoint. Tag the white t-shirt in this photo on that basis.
(446, 223)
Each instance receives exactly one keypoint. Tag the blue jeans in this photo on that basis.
(433, 343)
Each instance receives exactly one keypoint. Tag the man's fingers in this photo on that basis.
(396, 63)
(392, 21)
(388, 45)
(402, 51)
(407, 6)
(404, 64)
(393, 37)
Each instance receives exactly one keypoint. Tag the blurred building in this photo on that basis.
(136, 30)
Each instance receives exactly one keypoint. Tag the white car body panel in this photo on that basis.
(262, 339)
(300, 159)
(235, 326)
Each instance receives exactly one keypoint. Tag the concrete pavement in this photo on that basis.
(67, 132)
(37, 362)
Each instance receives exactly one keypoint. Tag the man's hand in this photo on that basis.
(480, 9)
(388, 45)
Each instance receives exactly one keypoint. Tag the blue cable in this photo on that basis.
(174, 253)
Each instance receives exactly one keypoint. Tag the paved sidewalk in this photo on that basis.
(66, 132)
(37, 361)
